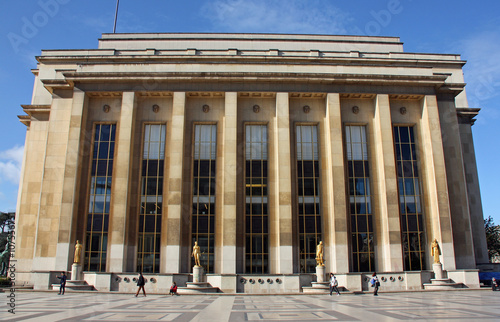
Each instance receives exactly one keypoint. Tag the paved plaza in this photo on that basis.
(443, 306)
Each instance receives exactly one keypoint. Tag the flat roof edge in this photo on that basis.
(248, 36)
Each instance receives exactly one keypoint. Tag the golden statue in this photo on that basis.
(435, 251)
(78, 253)
(196, 254)
(319, 254)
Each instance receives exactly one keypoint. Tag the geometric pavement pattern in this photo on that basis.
(481, 305)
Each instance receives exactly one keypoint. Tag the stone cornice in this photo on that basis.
(467, 115)
(32, 111)
(110, 56)
(79, 77)
(436, 81)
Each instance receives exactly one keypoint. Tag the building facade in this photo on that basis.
(257, 147)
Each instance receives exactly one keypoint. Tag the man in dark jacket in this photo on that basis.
(63, 278)
(141, 282)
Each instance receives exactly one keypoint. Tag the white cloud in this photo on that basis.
(482, 71)
(293, 16)
(10, 164)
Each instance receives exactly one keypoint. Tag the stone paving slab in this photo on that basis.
(423, 306)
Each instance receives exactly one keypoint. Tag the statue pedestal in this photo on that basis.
(438, 271)
(76, 272)
(320, 274)
(197, 274)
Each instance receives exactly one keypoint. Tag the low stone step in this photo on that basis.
(442, 284)
(320, 289)
(198, 285)
(79, 285)
(198, 290)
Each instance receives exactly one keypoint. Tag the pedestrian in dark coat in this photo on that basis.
(141, 281)
(63, 279)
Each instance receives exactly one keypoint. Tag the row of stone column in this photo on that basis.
(336, 229)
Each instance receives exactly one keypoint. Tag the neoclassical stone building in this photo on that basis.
(258, 147)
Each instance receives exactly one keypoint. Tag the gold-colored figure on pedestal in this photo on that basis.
(319, 254)
(435, 251)
(78, 253)
(196, 254)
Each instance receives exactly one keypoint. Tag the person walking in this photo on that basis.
(375, 283)
(334, 285)
(141, 282)
(63, 279)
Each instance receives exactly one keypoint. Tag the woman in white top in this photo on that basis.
(375, 283)
(333, 284)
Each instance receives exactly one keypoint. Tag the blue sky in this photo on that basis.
(457, 27)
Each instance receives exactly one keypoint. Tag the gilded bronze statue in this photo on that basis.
(196, 254)
(435, 251)
(319, 254)
(78, 253)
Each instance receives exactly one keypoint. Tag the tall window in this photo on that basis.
(308, 195)
(359, 199)
(99, 197)
(256, 215)
(412, 223)
(203, 220)
(153, 158)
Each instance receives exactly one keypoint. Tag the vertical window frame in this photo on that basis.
(252, 258)
(207, 257)
(408, 219)
(307, 246)
(145, 234)
(354, 220)
(90, 214)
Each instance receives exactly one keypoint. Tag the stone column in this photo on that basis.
(119, 210)
(171, 253)
(466, 120)
(387, 226)
(284, 187)
(337, 242)
(50, 198)
(228, 177)
(71, 183)
(434, 181)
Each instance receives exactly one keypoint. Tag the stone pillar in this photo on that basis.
(227, 219)
(433, 178)
(71, 183)
(337, 242)
(284, 187)
(466, 120)
(28, 199)
(50, 197)
(171, 224)
(387, 227)
(119, 210)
